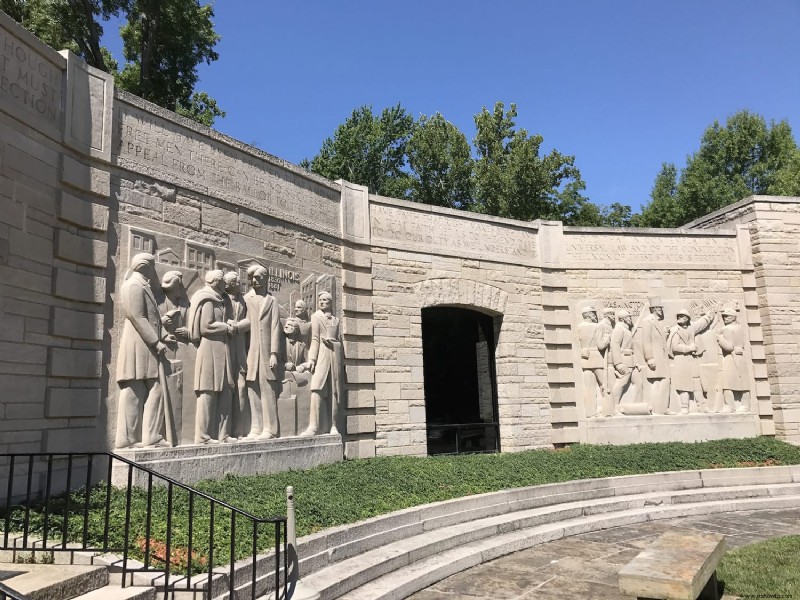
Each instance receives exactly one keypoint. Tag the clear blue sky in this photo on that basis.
(621, 85)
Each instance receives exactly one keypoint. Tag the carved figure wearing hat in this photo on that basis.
(735, 375)
(327, 361)
(213, 374)
(654, 348)
(594, 340)
(626, 372)
(141, 416)
(685, 350)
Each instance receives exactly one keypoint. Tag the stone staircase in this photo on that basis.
(392, 556)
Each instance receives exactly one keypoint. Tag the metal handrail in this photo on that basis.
(458, 427)
(180, 581)
(6, 593)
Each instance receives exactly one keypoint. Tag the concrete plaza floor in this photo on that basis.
(586, 565)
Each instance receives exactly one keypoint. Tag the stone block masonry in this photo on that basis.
(91, 176)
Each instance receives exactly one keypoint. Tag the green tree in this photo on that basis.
(617, 215)
(513, 180)
(370, 150)
(69, 25)
(663, 209)
(163, 43)
(439, 156)
(745, 156)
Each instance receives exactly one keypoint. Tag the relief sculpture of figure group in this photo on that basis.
(241, 352)
(662, 370)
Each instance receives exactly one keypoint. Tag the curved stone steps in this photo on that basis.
(391, 570)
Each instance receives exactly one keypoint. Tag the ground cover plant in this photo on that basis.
(346, 492)
(769, 569)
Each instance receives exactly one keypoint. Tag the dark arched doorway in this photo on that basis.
(458, 347)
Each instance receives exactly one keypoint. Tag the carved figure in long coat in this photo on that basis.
(685, 350)
(654, 347)
(174, 308)
(626, 371)
(735, 375)
(594, 339)
(262, 357)
(303, 322)
(327, 362)
(141, 417)
(213, 375)
(236, 315)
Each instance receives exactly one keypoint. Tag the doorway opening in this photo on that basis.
(458, 348)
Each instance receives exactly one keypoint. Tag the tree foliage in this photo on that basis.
(163, 43)
(439, 156)
(745, 156)
(431, 161)
(370, 150)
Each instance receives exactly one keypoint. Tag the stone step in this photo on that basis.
(403, 568)
(112, 592)
(55, 582)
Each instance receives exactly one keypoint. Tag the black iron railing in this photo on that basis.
(463, 438)
(6, 593)
(83, 521)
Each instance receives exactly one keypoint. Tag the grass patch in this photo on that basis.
(343, 493)
(769, 569)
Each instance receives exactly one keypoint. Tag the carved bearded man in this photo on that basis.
(236, 315)
(141, 348)
(262, 356)
(213, 375)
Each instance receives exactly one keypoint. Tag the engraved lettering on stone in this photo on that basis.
(29, 80)
(626, 249)
(449, 233)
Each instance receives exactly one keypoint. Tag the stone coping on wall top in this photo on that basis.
(646, 231)
(741, 204)
(212, 134)
(533, 226)
(31, 40)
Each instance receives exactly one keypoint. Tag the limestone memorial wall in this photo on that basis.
(123, 222)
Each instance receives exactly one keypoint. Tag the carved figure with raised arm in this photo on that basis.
(735, 375)
(326, 359)
(141, 416)
(263, 313)
(236, 310)
(654, 348)
(685, 349)
(213, 375)
(594, 340)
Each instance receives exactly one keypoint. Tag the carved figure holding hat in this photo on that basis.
(654, 348)
(735, 375)
(141, 416)
(594, 340)
(684, 349)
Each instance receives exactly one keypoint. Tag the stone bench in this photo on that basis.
(677, 566)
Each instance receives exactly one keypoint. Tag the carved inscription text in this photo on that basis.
(632, 249)
(198, 161)
(441, 233)
(28, 80)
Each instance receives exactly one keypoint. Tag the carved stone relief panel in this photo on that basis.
(662, 357)
(227, 345)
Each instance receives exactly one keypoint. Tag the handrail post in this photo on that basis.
(295, 589)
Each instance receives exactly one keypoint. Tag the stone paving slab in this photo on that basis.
(587, 565)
